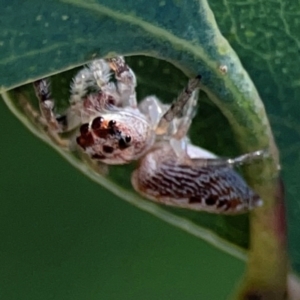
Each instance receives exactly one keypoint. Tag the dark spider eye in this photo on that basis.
(113, 131)
(96, 124)
(127, 138)
(122, 144)
(84, 128)
(112, 123)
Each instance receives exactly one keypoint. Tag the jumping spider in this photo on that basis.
(114, 129)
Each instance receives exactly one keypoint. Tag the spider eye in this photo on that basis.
(122, 144)
(96, 124)
(112, 123)
(127, 138)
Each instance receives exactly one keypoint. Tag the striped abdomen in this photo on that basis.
(163, 178)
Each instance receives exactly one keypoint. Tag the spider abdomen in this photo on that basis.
(208, 188)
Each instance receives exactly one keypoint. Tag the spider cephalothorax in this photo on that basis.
(113, 128)
(115, 138)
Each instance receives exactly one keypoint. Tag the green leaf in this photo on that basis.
(266, 38)
(62, 35)
(216, 229)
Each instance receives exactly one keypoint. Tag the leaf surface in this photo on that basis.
(266, 37)
(56, 36)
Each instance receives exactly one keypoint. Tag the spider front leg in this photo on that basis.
(92, 90)
(82, 83)
(164, 177)
(59, 124)
(52, 124)
(177, 107)
(46, 104)
(94, 81)
(189, 112)
(126, 81)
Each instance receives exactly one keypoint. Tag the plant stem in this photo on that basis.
(266, 276)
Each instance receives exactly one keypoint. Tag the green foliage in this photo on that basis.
(265, 35)
(52, 37)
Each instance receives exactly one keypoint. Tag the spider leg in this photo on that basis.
(187, 102)
(186, 120)
(44, 120)
(152, 107)
(126, 81)
(101, 72)
(231, 162)
(177, 107)
(52, 124)
(55, 122)
(91, 92)
(83, 82)
(93, 80)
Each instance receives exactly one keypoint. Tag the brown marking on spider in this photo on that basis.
(108, 149)
(86, 138)
(102, 137)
